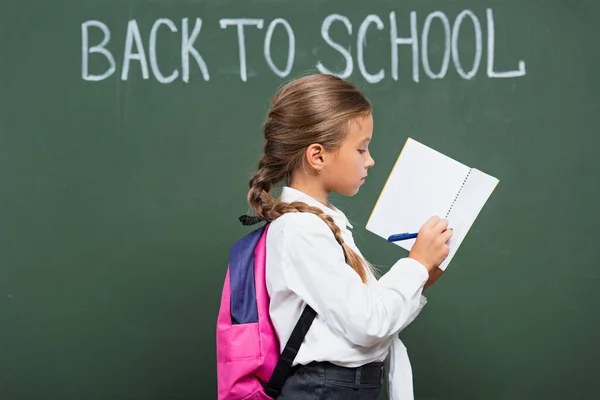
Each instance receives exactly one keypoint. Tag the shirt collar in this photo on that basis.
(289, 194)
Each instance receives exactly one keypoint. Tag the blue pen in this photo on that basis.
(402, 236)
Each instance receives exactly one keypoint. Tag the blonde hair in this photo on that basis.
(311, 109)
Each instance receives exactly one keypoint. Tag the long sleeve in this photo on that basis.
(314, 268)
(411, 318)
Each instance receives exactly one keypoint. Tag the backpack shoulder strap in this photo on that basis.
(284, 364)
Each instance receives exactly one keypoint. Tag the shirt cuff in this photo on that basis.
(411, 269)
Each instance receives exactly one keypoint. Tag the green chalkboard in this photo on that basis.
(129, 129)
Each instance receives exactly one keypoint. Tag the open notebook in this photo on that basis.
(424, 183)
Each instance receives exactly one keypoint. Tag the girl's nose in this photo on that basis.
(371, 162)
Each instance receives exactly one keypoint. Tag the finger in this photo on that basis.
(447, 234)
(446, 251)
(441, 225)
(431, 222)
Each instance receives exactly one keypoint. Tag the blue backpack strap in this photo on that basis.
(241, 279)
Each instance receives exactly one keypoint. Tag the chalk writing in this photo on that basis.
(145, 56)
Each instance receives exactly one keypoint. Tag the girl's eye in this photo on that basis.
(361, 151)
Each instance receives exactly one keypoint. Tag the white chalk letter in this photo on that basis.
(187, 48)
(478, 44)
(361, 43)
(412, 40)
(153, 59)
(291, 47)
(425, 42)
(98, 49)
(490, 59)
(133, 33)
(240, 22)
(325, 34)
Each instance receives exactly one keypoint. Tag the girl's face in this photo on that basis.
(348, 168)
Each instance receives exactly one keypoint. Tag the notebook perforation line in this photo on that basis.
(458, 193)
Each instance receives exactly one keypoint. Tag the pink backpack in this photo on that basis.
(249, 365)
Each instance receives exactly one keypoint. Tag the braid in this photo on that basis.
(277, 208)
(260, 184)
(267, 209)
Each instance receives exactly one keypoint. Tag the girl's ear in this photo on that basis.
(315, 156)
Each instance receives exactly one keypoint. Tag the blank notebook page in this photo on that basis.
(423, 183)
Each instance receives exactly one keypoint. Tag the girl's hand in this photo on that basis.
(431, 247)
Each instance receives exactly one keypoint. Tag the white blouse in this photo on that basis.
(356, 323)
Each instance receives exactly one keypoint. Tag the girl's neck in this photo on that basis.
(312, 188)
